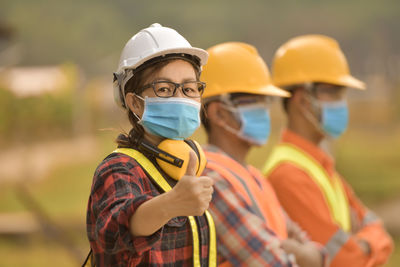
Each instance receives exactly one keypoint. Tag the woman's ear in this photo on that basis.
(134, 104)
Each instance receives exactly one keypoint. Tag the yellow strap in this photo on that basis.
(334, 193)
(159, 179)
(212, 260)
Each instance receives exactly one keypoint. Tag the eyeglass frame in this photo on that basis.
(181, 85)
(340, 91)
(250, 99)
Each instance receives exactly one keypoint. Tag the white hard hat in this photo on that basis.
(147, 44)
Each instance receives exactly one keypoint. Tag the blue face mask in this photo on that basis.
(335, 117)
(173, 118)
(256, 123)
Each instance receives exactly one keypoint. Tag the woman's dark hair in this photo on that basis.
(142, 76)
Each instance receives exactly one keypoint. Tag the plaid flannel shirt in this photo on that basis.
(244, 238)
(119, 187)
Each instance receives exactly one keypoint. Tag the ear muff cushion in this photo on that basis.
(179, 149)
(201, 156)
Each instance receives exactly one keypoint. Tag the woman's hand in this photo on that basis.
(191, 195)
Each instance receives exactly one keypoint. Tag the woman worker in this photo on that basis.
(137, 214)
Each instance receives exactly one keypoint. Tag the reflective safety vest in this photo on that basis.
(251, 185)
(156, 176)
(331, 187)
(163, 184)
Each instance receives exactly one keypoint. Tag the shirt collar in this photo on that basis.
(215, 149)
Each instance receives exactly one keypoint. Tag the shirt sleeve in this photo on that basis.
(243, 238)
(306, 205)
(295, 232)
(369, 228)
(117, 192)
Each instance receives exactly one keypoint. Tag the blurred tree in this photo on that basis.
(92, 33)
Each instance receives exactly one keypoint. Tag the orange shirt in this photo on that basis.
(305, 203)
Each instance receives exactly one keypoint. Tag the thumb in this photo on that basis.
(191, 167)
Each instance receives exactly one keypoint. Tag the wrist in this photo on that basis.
(312, 255)
(169, 210)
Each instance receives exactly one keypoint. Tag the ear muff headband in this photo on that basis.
(161, 154)
(175, 165)
(196, 150)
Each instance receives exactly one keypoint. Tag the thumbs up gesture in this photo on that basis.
(191, 195)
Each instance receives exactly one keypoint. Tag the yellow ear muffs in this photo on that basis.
(181, 149)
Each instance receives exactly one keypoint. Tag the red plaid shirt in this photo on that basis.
(119, 187)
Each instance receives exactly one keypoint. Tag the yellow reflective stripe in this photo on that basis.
(342, 207)
(159, 179)
(212, 260)
(196, 243)
(334, 194)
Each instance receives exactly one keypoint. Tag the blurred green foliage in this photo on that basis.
(34, 117)
(370, 163)
(93, 32)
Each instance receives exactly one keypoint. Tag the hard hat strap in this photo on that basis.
(195, 149)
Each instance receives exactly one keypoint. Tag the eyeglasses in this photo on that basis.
(249, 99)
(329, 92)
(168, 89)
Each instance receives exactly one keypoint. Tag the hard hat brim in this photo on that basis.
(351, 82)
(273, 91)
(345, 80)
(268, 90)
(194, 51)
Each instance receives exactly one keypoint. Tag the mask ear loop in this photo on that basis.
(238, 133)
(134, 114)
(312, 118)
(227, 104)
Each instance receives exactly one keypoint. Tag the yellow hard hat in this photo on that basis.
(236, 67)
(312, 58)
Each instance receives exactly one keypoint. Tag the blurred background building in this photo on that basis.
(58, 119)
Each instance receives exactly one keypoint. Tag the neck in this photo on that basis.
(303, 127)
(230, 144)
(153, 139)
